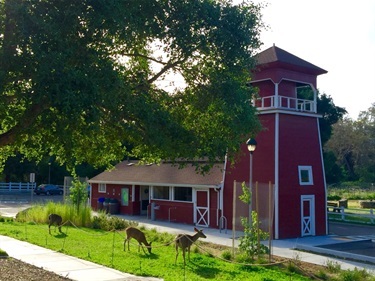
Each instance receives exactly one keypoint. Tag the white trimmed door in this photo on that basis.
(307, 215)
(201, 208)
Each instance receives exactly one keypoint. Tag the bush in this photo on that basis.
(108, 223)
(355, 275)
(333, 266)
(333, 198)
(227, 255)
(3, 253)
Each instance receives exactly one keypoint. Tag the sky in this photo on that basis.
(336, 35)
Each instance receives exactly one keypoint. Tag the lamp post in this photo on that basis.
(49, 172)
(251, 146)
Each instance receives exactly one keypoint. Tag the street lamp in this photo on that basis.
(49, 172)
(251, 146)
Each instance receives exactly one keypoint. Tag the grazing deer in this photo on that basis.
(132, 232)
(185, 241)
(54, 219)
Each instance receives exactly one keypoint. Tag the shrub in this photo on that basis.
(108, 223)
(3, 253)
(333, 266)
(227, 255)
(78, 193)
(355, 275)
(333, 198)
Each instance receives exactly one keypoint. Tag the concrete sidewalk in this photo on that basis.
(64, 265)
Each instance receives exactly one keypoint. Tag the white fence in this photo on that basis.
(17, 186)
(351, 215)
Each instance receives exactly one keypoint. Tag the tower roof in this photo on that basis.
(275, 56)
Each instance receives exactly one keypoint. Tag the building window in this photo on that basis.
(161, 192)
(305, 175)
(183, 194)
(102, 188)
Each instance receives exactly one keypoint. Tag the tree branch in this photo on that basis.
(29, 117)
(167, 67)
(146, 57)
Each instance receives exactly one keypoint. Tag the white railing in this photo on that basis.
(281, 102)
(17, 186)
(347, 214)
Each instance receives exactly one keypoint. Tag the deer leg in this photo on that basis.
(175, 261)
(143, 249)
(188, 252)
(183, 254)
(49, 229)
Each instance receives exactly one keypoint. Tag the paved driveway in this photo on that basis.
(346, 229)
(13, 202)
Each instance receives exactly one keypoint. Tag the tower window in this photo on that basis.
(305, 175)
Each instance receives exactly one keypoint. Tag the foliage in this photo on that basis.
(333, 266)
(39, 214)
(250, 242)
(356, 275)
(87, 81)
(3, 253)
(352, 143)
(331, 114)
(78, 193)
(333, 197)
(352, 191)
(333, 172)
(18, 169)
(227, 255)
(246, 194)
(105, 222)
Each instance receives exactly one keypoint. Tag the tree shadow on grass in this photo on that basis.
(196, 266)
(207, 272)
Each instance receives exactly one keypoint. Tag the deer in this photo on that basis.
(184, 241)
(54, 219)
(132, 232)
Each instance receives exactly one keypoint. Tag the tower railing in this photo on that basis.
(287, 103)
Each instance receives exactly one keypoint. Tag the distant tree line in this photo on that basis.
(350, 151)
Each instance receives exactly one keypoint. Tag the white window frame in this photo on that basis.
(307, 169)
(169, 193)
(102, 188)
(174, 193)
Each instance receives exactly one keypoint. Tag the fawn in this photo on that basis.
(54, 219)
(132, 232)
(184, 241)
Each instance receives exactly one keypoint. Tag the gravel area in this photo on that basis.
(12, 270)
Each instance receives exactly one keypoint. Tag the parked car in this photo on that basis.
(48, 189)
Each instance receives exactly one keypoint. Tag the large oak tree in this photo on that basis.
(80, 80)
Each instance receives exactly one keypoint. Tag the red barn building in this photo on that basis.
(288, 156)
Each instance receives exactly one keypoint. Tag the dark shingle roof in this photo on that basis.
(276, 55)
(129, 172)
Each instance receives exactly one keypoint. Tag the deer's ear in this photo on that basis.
(196, 229)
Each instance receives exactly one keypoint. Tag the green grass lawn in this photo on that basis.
(107, 248)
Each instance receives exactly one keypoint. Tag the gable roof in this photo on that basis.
(275, 55)
(131, 172)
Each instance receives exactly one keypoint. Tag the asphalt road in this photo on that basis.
(13, 202)
(348, 229)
